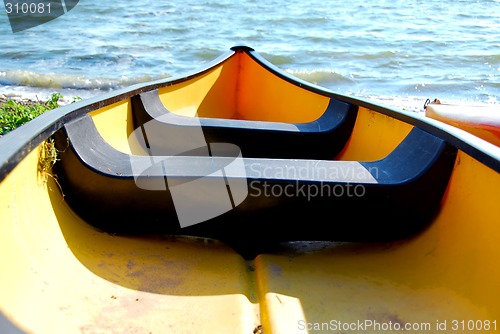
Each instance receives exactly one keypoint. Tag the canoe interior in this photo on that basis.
(240, 88)
(61, 274)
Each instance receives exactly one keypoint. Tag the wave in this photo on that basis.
(320, 76)
(61, 81)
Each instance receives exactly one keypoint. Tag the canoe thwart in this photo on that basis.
(323, 138)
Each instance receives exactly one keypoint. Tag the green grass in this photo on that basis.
(14, 114)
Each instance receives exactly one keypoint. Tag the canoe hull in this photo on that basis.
(62, 274)
(155, 282)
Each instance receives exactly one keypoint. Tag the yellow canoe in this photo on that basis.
(154, 219)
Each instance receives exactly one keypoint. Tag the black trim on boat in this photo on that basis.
(397, 196)
(8, 327)
(17, 144)
(484, 152)
(241, 48)
(323, 138)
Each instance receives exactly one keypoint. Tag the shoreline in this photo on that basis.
(23, 101)
(28, 102)
(34, 100)
(22, 110)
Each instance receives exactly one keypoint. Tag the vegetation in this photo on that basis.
(47, 157)
(14, 114)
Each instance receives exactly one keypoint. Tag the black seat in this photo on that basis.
(323, 138)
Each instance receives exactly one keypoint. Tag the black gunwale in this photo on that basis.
(479, 149)
(17, 144)
(20, 142)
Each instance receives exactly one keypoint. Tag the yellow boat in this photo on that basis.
(239, 199)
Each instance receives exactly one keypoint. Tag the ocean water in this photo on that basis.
(394, 52)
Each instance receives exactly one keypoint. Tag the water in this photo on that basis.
(394, 52)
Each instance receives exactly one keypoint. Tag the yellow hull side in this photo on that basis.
(61, 275)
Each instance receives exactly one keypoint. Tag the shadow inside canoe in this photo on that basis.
(349, 280)
(169, 265)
